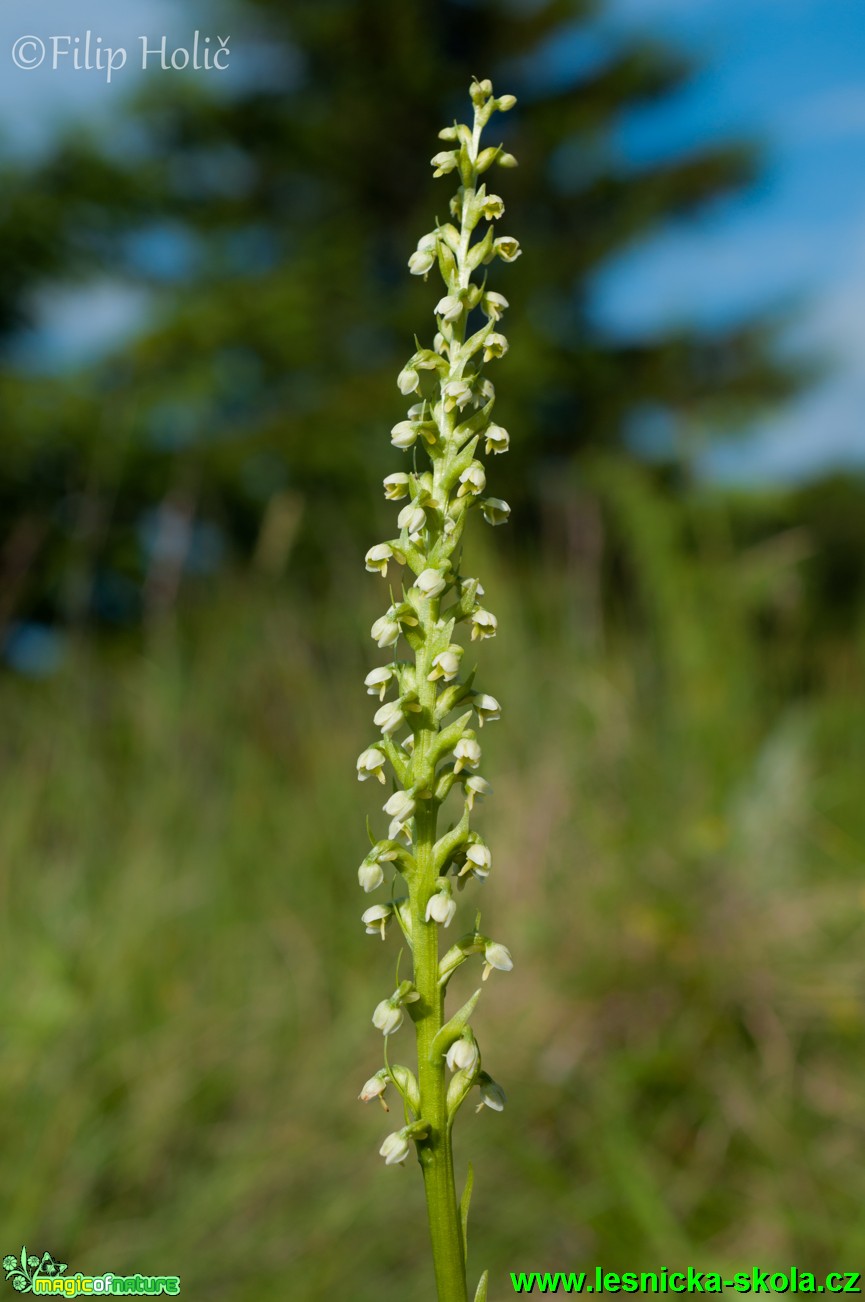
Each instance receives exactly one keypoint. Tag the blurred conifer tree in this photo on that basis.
(272, 225)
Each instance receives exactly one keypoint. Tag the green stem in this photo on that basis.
(435, 1153)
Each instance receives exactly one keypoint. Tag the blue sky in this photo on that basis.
(790, 72)
(793, 73)
(33, 102)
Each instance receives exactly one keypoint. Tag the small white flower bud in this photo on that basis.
(493, 305)
(440, 344)
(377, 919)
(476, 788)
(472, 480)
(378, 557)
(463, 1055)
(497, 439)
(484, 624)
(486, 158)
(480, 92)
(506, 246)
(388, 1016)
(370, 764)
(479, 861)
(467, 754)
(400, 805)
(472, 585)
(431, 582)
(449, 308)
(445, 161)
(370, 876)
(385, 631)
(487, 709)
(398, 827)
(492, 1094)
(406, 994)
(493, 207)
(389, 718)
(495, 511)
(446, 664)
(505, 102)
(506, 160)
(404, 433)
(497, 956)
(395, 1148)
(456, 393)
(375, 1087)
(396, 486)
(495, 345)
(412, 518)
(441, 908)
(408, 380)
(377, 680)
(421, 262)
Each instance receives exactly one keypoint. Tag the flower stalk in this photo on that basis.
(430, 711)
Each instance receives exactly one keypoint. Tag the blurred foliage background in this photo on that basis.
(678, 823)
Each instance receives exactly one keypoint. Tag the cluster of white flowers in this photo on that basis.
(429, 713)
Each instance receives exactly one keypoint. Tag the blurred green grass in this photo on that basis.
(186, 987)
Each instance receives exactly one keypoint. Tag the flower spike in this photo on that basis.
(428, 707)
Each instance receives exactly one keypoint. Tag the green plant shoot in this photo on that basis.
(431, 712)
